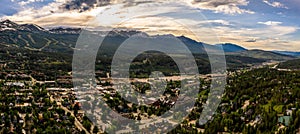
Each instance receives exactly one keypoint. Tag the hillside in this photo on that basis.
(297, 54)
(228, 47)
(255, 101)
(291, 64)
(266, 55)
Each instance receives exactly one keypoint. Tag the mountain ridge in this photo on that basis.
(34, 37)
(229, 47)
(291, 53)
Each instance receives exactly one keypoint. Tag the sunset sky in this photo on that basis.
(254, 24)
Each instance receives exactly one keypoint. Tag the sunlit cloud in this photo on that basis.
(26, 2)
(270, 23)
(275, 4)
(221, 6)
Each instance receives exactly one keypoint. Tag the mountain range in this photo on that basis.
(63, 40)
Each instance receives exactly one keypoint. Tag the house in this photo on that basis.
(289, 112)
(285, 120)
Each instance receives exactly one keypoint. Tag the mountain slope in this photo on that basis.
(33, 37)
(297, 54)
(291, 64)
(228, 47)
(194, 46)
(260, 54)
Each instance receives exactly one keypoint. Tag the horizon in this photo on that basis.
(150, 35)
(263, 24)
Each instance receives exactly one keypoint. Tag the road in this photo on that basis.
(77, 123)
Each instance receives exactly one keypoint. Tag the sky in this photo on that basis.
(253, 24)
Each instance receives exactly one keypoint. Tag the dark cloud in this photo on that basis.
(84, 5)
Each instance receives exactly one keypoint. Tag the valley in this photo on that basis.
(37, 93)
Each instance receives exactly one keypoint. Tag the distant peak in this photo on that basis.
(164, 36)
(229, 47)
(228, 44)
(10, 25)
(184, 38)
(32, 27)
(64, 28)
(7, 21)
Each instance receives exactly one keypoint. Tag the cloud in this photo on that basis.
(214, 23)
(275, 4)
(221, 6)
(26, 2)
(251, 40)
(270, 23)
(51, 15)
(282, 30)
(267, 38)
(84, 5)
(218, 6)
